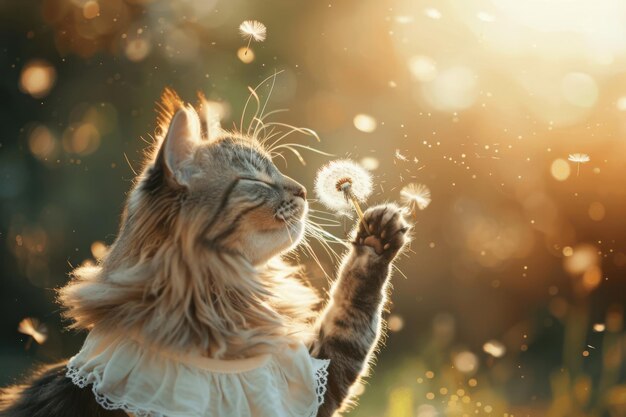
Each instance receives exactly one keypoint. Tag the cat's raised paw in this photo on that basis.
(386, 230)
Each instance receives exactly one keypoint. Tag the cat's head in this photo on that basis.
(221, 193)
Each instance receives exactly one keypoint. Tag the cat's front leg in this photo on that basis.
(349, 327)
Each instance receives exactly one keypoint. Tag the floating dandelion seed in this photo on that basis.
(416, 195)
(252, 30)
(400, 156)
(33, 328)
(578, 158)
(342, 183)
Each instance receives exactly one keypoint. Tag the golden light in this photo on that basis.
(99, 250)
(81, 139)
(494, 348)
(91, 9)
(485, 17)
(579, 89)
(621, 103)
(400, 402)
(395, 323)
(466, 362)
(599, 327)
(584, 257)
(592, 277)
(37, 78)
(432, 13)
(427, 410)
(596, 211)
(567, 27)
(365, 123)
(423, 68)
(42, 143)
(137, 49)
(33, 328)
(453, 89)
(245, 55)
(370, 163)
(560, 169)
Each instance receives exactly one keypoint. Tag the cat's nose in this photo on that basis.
(300, 191)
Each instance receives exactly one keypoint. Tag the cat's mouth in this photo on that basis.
(291, 211)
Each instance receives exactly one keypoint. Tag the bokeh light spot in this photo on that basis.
(37, 78)
(365, 123)
(137, 49)
(579, 89)
(423, 68)
(245, 55)
(42, 143)
(596, 211)
(453, 89)
(584, 257)
(466, 362)
(560, 169)
(494, 348)
(370, 163)
(91, 9)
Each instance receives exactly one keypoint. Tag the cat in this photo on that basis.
(197, 262)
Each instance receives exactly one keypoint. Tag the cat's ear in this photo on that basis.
(181, 140)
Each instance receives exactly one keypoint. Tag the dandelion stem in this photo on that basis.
(357, 208)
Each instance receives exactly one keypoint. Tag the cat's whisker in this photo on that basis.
(269, 94)
(292, 129)
(288, 224)
(253, 93)
(245, 107)
(315, 216)
(272, 132)
(323, 237)
(271, 113)
(307, 147)
(311, 252)
(281, 155)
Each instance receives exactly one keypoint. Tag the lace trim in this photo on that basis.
(106, 403)
(321, 382)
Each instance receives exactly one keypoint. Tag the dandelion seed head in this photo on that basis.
(417, 195)
(253, 29)
(33, 328)
(579, 158)
(335, 176)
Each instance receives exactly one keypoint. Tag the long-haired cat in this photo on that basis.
(196, 267)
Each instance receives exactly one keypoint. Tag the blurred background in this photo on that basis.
(500, 123)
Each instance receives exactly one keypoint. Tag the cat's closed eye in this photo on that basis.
(259, 181)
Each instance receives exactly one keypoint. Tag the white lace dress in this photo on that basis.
(146, 382)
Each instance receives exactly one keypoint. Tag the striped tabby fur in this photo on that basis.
(197, 262)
